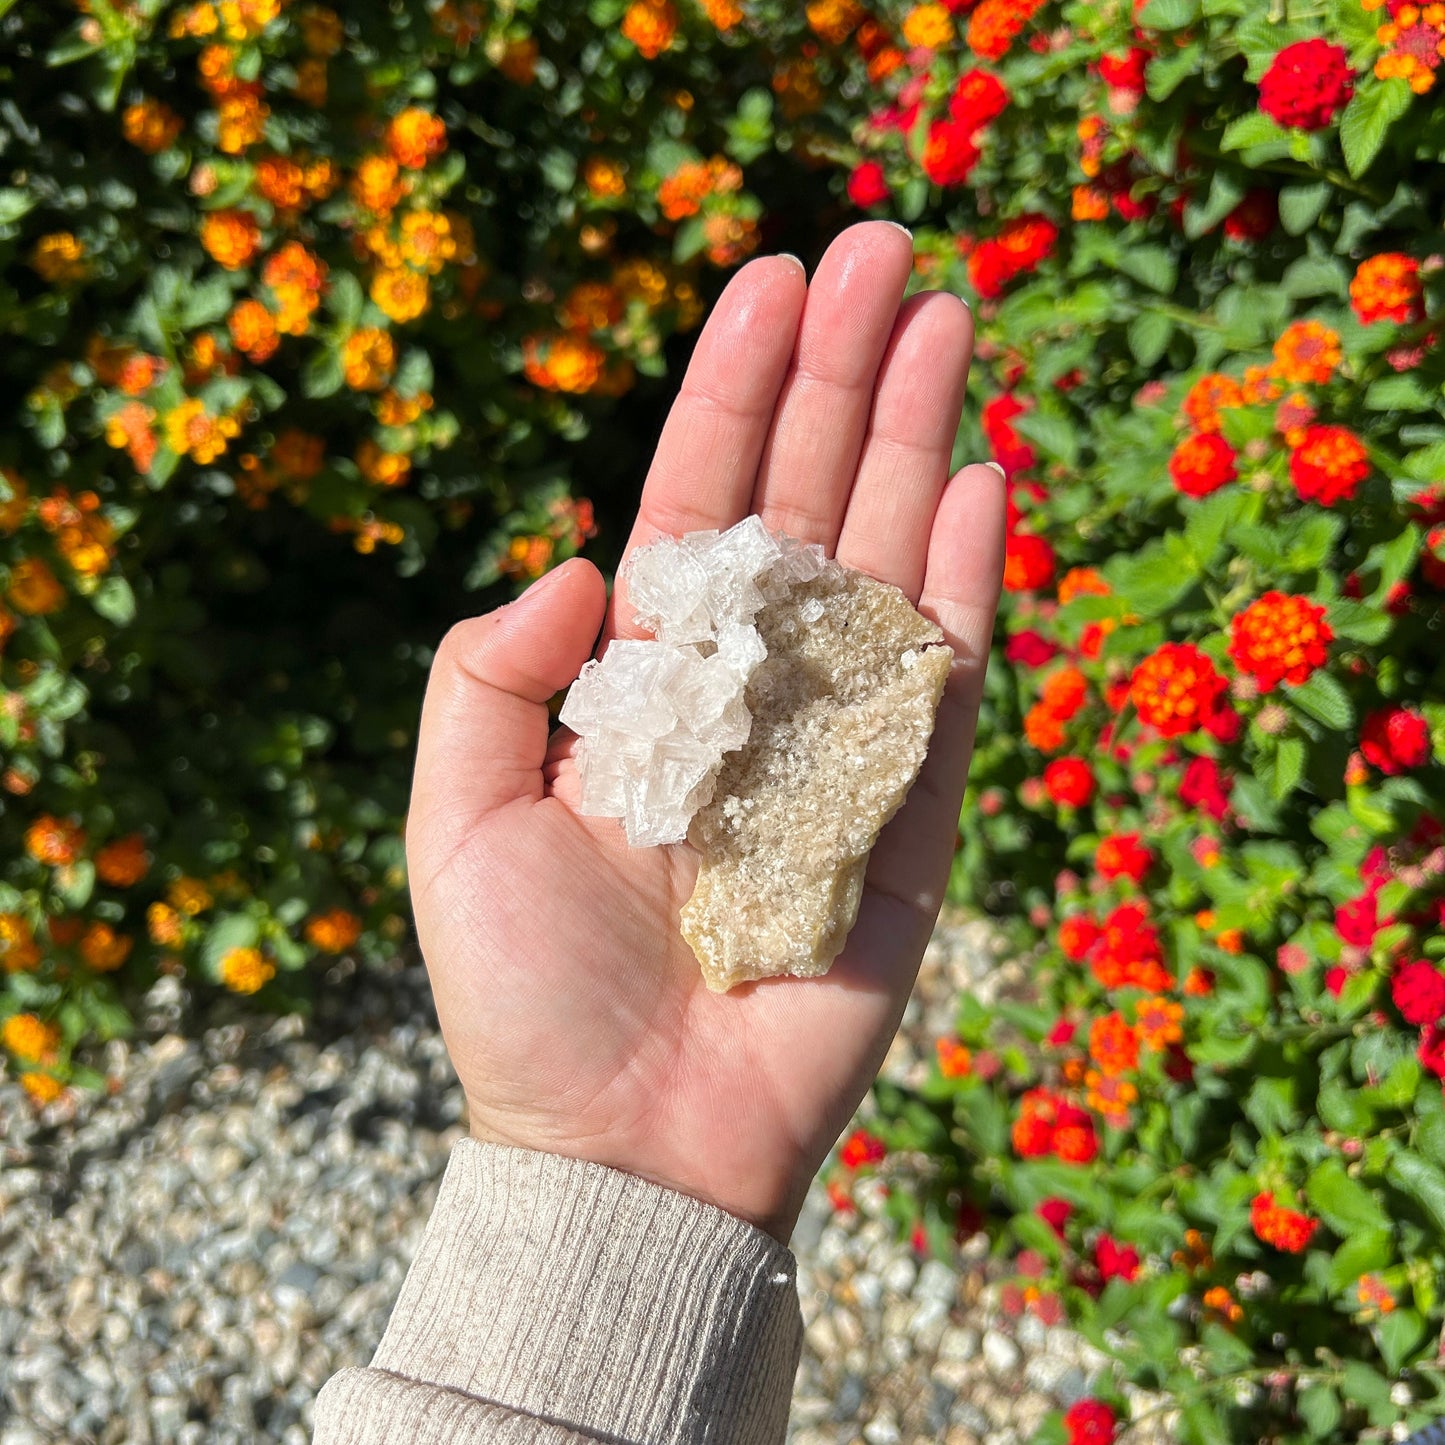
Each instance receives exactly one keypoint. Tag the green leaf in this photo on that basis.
(1367, 120)
(1369, 1389)
(1422, 1181)
(15, 203)
(1149, 334)
(1151, 266)
(1343, 1203)
(115, 601)
(322, 375)
(1363, 1252)
(75, 883)
(1359, 621)
(1166, 73)
(1251, 130)
(1325, 700)
(230, 930)
(1400, 393)
(1340, 1107)
(1300, 206)
(205, 302)
(345, 300)
(1319, 1408)
(1270, 1105)
(1169, 14)
(1059, 438)
(1399, 1334)
(1289, 766)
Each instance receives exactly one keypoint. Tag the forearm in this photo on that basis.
(554, 1300)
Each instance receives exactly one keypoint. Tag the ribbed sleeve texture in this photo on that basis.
(554, 1301)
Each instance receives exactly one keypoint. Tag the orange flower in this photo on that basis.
(1043, 728)
(253, 331)
(281, 181)
(928, 27)
(1090, 203)
(650, 25)
(299, 454)
(426, 241)
(1307, 351)
(382, 468)
(591, 306)
(124, 862)
(996, 24)
(1213, 394)
(246, 970)
(378, 185)
(59, 258)
(395, 410)
(243, 116)
(401, 293)
(30, 1038)
(1113, 1044)
(724, 14)
(42, 1088)
(19, 952)
(1280, 638)
(368, 359)
(33, 589)
(563, 363)
(165, 925)
(334, 931)
(103, 948)
(729, 238)
(833, 21)
(1374, 1296)
(189, 896)
(683, 192)
(139, 372)
(130, 428)
(954, 1059)
(604, 178)
(519, 60)
(527, 556)
(1081, 582)
(1110, 1096)
(1158, 1021)
(1286, 1229)
(297, 279)
(1065, 692)
(191, 430)
(415, 137)
(1387, 288)
(322, 32)
(231, 238)
(150, 125)
(1219, 1301)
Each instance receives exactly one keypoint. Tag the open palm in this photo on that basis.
(575, 1014)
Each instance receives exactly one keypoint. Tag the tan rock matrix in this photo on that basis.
(777, 722)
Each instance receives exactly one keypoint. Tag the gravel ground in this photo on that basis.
(192, 1256)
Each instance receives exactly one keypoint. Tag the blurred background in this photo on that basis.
(325, 328)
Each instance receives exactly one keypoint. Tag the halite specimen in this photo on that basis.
(777, 722)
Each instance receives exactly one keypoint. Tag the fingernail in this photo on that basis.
(788, 256)
(998, 469)
(899, 226)
(543, 584)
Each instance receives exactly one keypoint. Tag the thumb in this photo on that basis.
(484, 724)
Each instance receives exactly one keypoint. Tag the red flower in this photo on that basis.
(1115, 1260)
(1123, 856)
(1128, 952)
(861, 1148)
(1090, 1422)
(1419, 992)
(1280, 638)
(949, 154)
(1019, 246)
(1055, 1213)
(1076, 936)
(979, 98)
(866, 186)
(1306, 84)
(1048, 1124)
(1125, 72)
(1254, 217)
(1010, 450)
(1070, 782)
(1028, 564)
(1202, 464)
(1387, 288)
(1286, 1229)
(1176, 689)
(1328, 465)
(1205, 786)
(1030, 649)
(1335, 980)
(1358, 922)
(1432, 1050)
(1394, 739)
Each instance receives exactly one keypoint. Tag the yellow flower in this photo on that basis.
(382, 468)
(164, 924)
(427, 241)
(321, 31)
(402, 294)
(59, 258)
(30, 1038)
(368, 359)
(231, 238)
(150, 125)
(245, 970)
(16, 507)
(19, 952)
(192, 431)
(246, 19)
(604, 178)
(189, 896)
(651, 26)
(333, 932)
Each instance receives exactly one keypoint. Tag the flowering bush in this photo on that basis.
(307, 316)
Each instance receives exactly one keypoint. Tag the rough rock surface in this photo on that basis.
(191, 1257)
(843, 708)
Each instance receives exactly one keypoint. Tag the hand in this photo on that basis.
(574, 1012)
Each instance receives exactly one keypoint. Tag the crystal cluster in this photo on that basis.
(656, 718)
(777, 722)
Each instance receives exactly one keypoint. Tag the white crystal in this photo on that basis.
(657, 717)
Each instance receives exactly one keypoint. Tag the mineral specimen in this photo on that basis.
(777, 723)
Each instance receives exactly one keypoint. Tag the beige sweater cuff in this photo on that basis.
(597, 1304)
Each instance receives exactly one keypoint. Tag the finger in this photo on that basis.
(707, 457)
(812, 452)
(960, 592)
(484, 722)
(909, 445)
